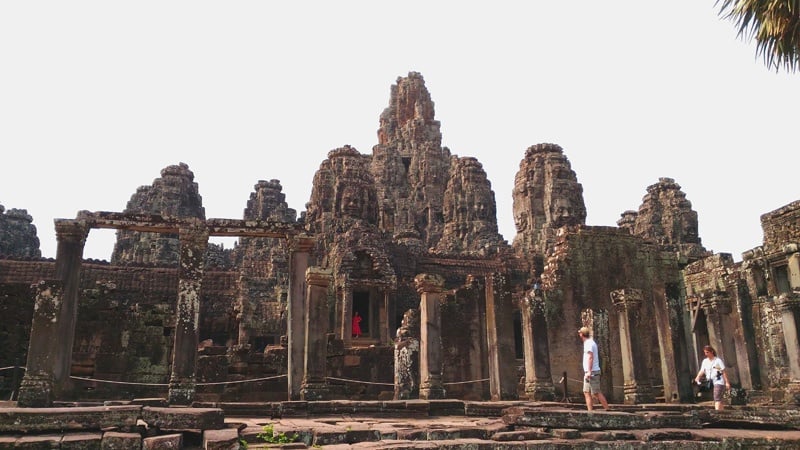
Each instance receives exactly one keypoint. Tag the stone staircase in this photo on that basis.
(452, 424)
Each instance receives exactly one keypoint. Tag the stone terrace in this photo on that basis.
(453, 424)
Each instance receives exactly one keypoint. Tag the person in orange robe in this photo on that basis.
(356, 325)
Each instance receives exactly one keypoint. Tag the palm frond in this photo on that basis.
(775, 26)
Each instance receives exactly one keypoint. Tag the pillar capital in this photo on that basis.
(788, 302)
(429, 283)
(316, 276)
(716, 303)
(71, 230)
(534, 302)
(628, 298)
(301, 243)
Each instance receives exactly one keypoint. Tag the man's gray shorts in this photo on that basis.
(592, 384)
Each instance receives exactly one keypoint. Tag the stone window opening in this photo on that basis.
(782, 279)
(361, 303)
(406, 162)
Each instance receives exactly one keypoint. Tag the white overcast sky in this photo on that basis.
(96, 97)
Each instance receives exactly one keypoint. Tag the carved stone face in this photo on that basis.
(352, 203)
(561, 212)
(521, 221)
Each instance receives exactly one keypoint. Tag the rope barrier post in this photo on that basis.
(564, 382)
(15, 380)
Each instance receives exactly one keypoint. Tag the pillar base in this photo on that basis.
(181, 392)
(540, 390)
(431, 391)
(793, 392)
(315, 391)
(36, 391)
(637, 393)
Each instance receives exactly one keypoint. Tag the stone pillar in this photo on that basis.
(315, 385)
(244, 312)
(383, 318)
(500, 333)
(193, 246)
(538, 379)
(666, 344)
(406, 357)
(717, 308)
(793, 269)
(347, 315)
(300, 249)
(430, 288)
(789, 306)
(36, 388)
(54, 319)
(637, 387)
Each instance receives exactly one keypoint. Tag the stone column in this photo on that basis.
(315, 386)
(500, 333)
(538, 379)
(637, 387)
(720, 332)
(383, 318)
(36, 388)
(430, 288)
(193, 246)
(54, 319)
(406, 357)
(300, 249)
(793, 269)
(789, 306)
(667, 339)
(347, 315)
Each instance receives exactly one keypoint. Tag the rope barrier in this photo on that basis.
(118, 382)
(467, 382)
(614, 387)
(242, 381)
(350, 380)
(252, 380)
(359, 381)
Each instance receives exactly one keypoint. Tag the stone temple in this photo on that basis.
(407, 237)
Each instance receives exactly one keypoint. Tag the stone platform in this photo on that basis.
(449, 424)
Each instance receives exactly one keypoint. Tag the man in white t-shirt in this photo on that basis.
(591, 370)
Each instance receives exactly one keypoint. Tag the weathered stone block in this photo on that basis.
(113, 440)
(60, 419)
(40, 442)
(227, 439)
(81, 441)
(165, 442)
(183, 418)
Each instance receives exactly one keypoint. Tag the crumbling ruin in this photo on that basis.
(407, 236)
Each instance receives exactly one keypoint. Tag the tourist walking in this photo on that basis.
(591, 370)
(712, 368)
